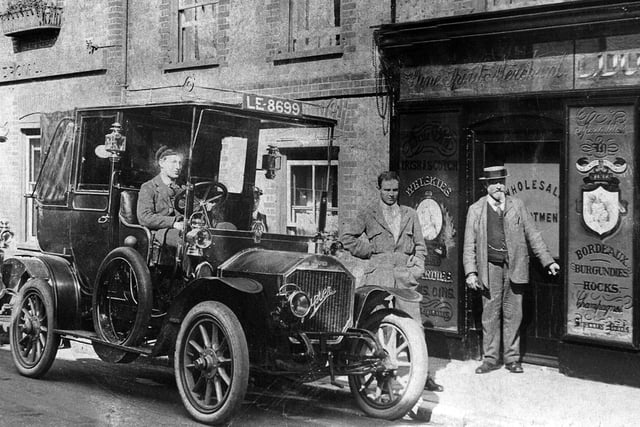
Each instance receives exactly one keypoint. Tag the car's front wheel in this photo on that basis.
(391, 393)
(33, 342)
(211, 362)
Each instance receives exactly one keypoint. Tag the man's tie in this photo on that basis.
(498, 210)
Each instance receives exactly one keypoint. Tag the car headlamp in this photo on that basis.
(299, 303)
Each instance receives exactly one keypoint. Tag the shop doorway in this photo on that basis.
(528, 142)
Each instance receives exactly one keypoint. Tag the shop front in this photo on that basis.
(551, 92)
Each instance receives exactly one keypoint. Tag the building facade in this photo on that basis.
(109, 52)
(550, 90)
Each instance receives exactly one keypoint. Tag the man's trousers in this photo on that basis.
(501, 312)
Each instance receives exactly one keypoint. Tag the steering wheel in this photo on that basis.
(206, 195)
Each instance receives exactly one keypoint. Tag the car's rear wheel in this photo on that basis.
(34, 344)
(122, 301)
(392, 393)
(211, 363)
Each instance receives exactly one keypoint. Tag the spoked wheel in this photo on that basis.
(33, 343)
(122, 302)
(211, 362)
(392, 393)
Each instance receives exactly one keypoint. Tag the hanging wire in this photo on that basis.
(381, 94)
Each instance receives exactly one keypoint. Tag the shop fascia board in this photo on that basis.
(578, 19)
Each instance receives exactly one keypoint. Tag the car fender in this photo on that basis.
(368, 298)
(58, 272)
(231, 291)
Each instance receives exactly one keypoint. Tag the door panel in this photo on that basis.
(529, 145)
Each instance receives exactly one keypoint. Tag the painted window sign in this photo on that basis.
(537, 185)
(600, 249)
(429, 170)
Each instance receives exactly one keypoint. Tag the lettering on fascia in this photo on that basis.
(608, 64)
(17, 71)
(429, 78)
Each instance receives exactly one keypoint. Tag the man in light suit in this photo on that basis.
(394, 246)
(496, 262)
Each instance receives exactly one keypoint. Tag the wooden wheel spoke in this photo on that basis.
(207, 393)
(195, 345)
(215, 337)
(224, 376)
(205, 336)
(402, 347)
(198, 384)
(219, 391)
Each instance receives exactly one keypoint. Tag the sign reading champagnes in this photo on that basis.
(600, 244)
(429, 171)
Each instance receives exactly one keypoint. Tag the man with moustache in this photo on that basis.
(496, 262)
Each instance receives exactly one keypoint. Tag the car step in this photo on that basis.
(89, 337)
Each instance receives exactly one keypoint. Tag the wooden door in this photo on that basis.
(529, 144)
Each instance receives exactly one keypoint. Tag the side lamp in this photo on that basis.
(271, 162)
(115, 143)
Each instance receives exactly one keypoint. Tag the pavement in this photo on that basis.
(541, 396)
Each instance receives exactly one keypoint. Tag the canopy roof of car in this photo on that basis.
(188, 111)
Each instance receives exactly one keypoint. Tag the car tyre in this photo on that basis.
(122, 301)
(34, 344)
(390, 395)
(211, 362)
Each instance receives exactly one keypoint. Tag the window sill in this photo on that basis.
(191, 65)
(309, 55)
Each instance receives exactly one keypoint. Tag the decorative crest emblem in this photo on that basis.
(601, 207)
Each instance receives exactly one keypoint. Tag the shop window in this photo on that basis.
(307, 180)
(313, 25)
(32, 167)
(197, 30)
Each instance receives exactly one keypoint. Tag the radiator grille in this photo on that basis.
(334, 315)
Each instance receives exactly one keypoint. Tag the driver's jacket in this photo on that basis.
(155, 204)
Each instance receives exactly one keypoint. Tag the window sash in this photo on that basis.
(313, 24)
(197, 30)
(293, 209)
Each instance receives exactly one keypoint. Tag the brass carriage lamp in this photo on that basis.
(115, 142)
(271, 162)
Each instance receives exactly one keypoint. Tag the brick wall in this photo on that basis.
(416, 10)
(57, 86)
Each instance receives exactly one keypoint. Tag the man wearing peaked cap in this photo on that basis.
(496, 263)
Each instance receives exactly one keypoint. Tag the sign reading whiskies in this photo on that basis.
(429, 171)
(600, 247)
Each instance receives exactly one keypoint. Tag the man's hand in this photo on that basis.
(179, 225)
(554, 269)
(473, 282)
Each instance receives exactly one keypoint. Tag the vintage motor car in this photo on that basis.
(232, 300)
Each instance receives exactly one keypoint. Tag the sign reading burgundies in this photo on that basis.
(429, 170)
(600, 244)
(537, 185)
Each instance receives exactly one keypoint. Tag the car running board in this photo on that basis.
(89, 337)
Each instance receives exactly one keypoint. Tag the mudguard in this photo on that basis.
(369, 297)
(228, 290)
(58, 272)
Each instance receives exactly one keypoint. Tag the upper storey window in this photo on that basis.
(197, 30)
(313, 24)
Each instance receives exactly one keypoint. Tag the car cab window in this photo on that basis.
(93, 170)
(53, 180)
(233, 156)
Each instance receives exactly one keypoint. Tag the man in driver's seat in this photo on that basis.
(156, 200)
